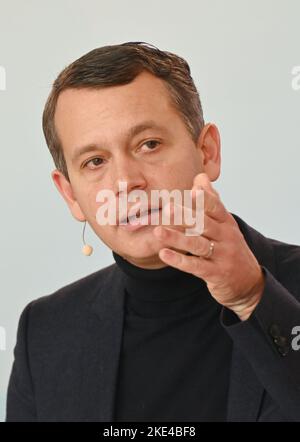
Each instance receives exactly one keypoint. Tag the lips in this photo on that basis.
(139, 213)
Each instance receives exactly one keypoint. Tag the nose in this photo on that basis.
(127, 169)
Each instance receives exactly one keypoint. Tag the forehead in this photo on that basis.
(84, 107)
(86, 114)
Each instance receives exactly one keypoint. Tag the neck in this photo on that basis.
(164, 291)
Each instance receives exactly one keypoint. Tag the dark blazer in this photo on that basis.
(68, 346)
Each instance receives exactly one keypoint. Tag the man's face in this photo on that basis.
(162, 157)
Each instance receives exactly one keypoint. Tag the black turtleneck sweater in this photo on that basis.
(175, 355)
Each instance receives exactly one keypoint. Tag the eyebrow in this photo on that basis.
(132, 132)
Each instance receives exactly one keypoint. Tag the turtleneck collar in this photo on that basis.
(167, 290)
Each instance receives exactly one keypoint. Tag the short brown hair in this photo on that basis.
(120, 64)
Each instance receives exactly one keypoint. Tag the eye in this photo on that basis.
(152, 143)
(94, 163)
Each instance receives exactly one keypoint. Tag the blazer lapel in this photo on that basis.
(245, 391)
(102, 350)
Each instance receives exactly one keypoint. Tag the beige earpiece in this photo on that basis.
(87, 250)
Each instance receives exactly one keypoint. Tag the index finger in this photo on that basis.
(213, 205)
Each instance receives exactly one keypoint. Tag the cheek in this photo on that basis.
(191, 162)
(86, 198)
(181, 172)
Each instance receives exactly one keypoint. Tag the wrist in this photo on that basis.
(245, 307)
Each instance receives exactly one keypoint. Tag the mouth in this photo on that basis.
(140, 213)
(134, 219)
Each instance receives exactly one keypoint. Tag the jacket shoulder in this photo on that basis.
(281, 258)
(73, 297)
(287, 260)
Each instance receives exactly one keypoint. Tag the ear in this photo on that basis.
(210, 146)
(65, 189)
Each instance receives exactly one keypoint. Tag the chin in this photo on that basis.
(140, 250)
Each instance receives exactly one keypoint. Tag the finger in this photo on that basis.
(212, 204)
(200, 267)
(196, 245)
(182, 217)
(210, 228)
(202, 181)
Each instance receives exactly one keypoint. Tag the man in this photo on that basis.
(199, 328)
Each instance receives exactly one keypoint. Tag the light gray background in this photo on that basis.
(241, 54)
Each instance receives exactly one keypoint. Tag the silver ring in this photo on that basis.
(210, 252)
